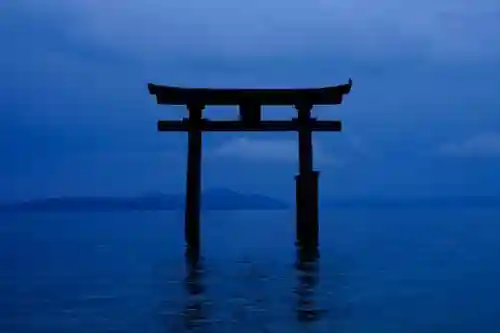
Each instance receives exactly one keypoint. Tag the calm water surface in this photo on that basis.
(379, 271)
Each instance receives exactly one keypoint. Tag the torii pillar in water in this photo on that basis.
(250, 102)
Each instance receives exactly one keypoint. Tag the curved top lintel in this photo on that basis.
(212, 96)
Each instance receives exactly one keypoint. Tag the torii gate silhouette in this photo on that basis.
(250, 102)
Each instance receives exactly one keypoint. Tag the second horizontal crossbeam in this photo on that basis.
(238, 125)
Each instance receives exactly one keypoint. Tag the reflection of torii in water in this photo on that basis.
(194, 315)
(307, 268)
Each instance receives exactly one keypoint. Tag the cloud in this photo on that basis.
(438, 29)
(487, 144)
(268, 150)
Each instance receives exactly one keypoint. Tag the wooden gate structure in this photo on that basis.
(250, 102)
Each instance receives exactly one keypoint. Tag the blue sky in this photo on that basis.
(422, 117)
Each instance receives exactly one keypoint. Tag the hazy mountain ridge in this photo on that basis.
(225, 199)
(213, 199)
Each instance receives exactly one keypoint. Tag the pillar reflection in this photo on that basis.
(194, 313)
(307, 267)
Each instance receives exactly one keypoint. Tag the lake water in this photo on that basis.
(380, 270)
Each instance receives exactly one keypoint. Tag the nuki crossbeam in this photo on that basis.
(250, 102)
(238, 125)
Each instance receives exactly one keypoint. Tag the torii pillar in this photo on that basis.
(306, 182)
(193, 181)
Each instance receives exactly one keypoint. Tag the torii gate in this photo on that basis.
(250, 102)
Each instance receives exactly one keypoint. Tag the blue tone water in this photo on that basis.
(380, 270)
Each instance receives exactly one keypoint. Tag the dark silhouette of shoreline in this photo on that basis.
(223, 199)
(214, 199)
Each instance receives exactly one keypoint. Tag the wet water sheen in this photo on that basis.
(379, 271)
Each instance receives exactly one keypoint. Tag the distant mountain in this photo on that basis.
(224, 199)
(214, 199)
